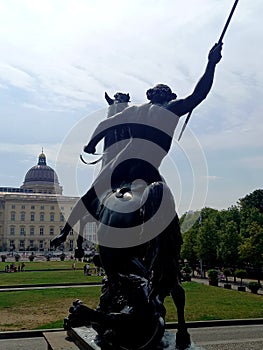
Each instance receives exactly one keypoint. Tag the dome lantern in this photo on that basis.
(41, 178)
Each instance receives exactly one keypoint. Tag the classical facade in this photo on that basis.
(33, 214)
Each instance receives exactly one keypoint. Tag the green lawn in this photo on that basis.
(47, 308)
(47, 272)
(46, 277)
(44, 265)
(213, 303)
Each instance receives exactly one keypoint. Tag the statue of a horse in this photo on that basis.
(139, 247)
(142, 268)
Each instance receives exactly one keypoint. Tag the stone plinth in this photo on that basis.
(84, 337)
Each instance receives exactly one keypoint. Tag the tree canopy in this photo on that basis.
(231, 238)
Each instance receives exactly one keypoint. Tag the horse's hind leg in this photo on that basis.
(182, 337)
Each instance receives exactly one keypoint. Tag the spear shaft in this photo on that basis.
(227, 22)
(219, 41)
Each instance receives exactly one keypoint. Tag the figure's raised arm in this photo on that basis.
(183, 106)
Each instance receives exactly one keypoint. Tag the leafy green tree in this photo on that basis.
(207, 242)
(229, 243)
(248, 217)
(252, 200)
(189, 223)
(188, 250)
(251, 249)
(241, 274)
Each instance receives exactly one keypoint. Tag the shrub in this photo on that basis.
(3, 257)
(186, 272)
(31, 257)
(254, 287)
(241, 274)
(62, 256)
(213, 277)
(48, 257)
(227, 273)
(17, 257)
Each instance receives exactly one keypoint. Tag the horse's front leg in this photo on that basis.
(183, 340)
(61, 238)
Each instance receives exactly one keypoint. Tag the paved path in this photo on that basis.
(23, 344)
(231, 337)
(208, 338)
(29, 287)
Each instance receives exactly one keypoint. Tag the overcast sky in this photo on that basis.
(58, 57)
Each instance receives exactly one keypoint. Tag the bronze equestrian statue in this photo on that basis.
(138, 228)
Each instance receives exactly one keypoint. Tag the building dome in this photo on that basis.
(41, 178)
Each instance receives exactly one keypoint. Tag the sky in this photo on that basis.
(58, 57)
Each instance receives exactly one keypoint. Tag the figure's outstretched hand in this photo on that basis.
(215, 53)
(89, 148)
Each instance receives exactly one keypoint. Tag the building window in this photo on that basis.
(71, 244)
(52, 216)
(13, 206)
(22, 244)
(90, 228)
(22, 231)
(32, 231)
(62, 208)
(62, 219)
(32, 216)
(23, 216)
(12, 231)
(41, 245)
(71, 232)
(51, 231)
(42, 216)
(41, 231)
(52, 207)
(31, 244)
(11, 244)
(42, 207)
(23, 207)
(32, 207)
(13, 216)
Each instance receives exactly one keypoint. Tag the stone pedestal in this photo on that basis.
(84, 337)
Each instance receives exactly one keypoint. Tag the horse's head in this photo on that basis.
(117, 104)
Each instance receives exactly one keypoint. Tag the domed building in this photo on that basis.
(32, 214)
(41, 178)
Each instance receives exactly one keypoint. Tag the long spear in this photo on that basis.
(219, 41)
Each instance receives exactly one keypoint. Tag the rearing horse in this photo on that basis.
(139, 276)
(158, 256)
(143, 272)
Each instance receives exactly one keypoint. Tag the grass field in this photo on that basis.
(44, 265)
(47, 308)
(47, 273)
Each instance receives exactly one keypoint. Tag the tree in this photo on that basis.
(252, 200)
(251, 249)
(188, 250)
(207, 242)
(241, 274)
(248, 217)
(229, 243)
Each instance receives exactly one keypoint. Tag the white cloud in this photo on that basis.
(16, 77)
(62, 55)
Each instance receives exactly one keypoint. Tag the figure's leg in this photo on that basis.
(182, 337)
(81, 209)
(79, 251)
